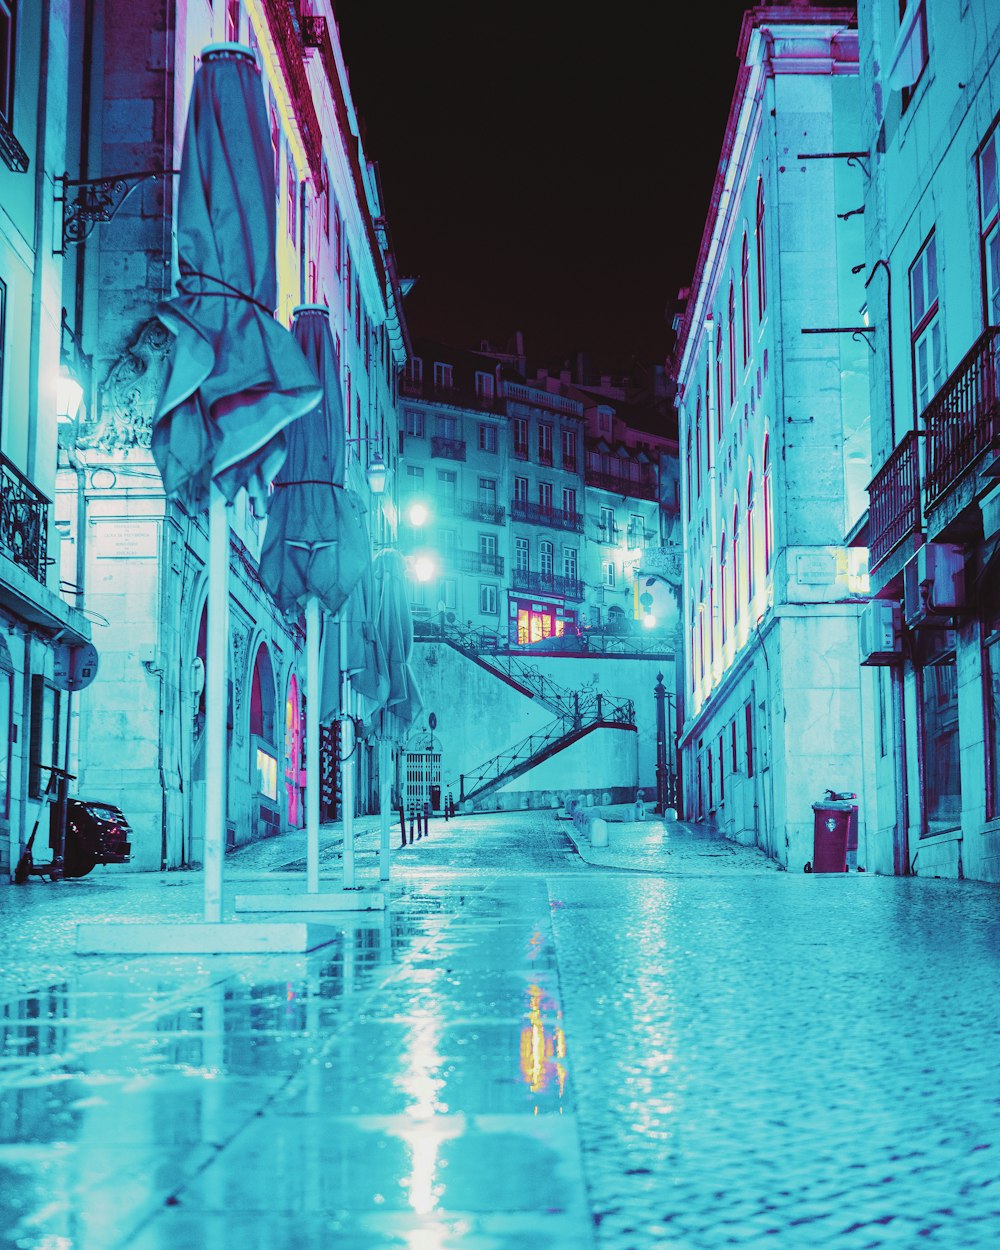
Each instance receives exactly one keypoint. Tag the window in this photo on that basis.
(748, 716)
(989, 227)
(521, 555)
(520, 490)
(698, 440)
(940, 745)
(570, 563)
(545, 558)
(487, 498)
(718, 385)
(488, 546)
(732, 350)
(488, 600)
(447, 488)
(446, 426)
(745, 297)
(544, 443)
(446, 592)
(487, 437)
(485, 386)
(761, 253)
(736, 565)
(603, 421)
(732, 736)
(711, 788)
(275, 142)
(442, 376)
(232, 20)
(520, 438)
(607, 525)
(928, 354)
(722, 773)
(768, 518)
(609, 573)
(991, 679)
(723, 611)
(348, 277)
(687, 478)
(447, 542)
(751, 579)
(569, 449)
(636, 532)
(327, 194)
(909, 56)
(701, 628)
(347, 388)
(545, 496)
(415, 370)
(357, 310)
(711, 613)
(368, 344)
(569, 503)
(338, 238)
(414, 423)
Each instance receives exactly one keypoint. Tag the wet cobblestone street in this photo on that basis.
(525, 1049)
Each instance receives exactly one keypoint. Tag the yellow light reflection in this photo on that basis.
(541, 1049)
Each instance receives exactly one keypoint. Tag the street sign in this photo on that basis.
(74, 668)
(432, 721)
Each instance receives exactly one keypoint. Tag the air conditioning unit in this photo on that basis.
(878, 633)
(934, 585)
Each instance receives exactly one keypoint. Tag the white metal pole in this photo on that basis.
(312, 745)
(385, 784)
(346, 760)
(215, 702)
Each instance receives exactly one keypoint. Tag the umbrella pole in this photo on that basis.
(215, 702)
(346, 761)
(384, 780)
(312, 745)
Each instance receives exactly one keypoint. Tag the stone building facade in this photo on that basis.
(930, 85)
(773, 406)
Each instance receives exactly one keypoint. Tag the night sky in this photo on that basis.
(545, 169)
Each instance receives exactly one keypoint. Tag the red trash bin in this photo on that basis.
(832, 821)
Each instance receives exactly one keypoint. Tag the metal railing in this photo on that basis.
(642, 486)
(454, 396)
(474, 562)
(520, 451)
(539, 398)
(447, 448)
(894, 500)
(543, 514)
(547, 584)
(474, 510)
(24, 514)
(545, 455)
(963, 419)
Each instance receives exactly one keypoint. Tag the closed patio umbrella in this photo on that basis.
(316, 545)
(235, 378)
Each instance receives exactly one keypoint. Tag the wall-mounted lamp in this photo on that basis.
(74, 372)
(377, 472)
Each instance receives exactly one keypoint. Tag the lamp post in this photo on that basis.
(660, 694)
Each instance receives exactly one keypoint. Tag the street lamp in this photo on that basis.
(417, 514)
(376, 473)
(424, 567)
(73, 372)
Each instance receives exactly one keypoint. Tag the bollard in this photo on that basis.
(598, 832)
(413, 821)
(402, 825)
(427, 817)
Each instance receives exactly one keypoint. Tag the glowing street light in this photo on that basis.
(424, 568)
(417, 514)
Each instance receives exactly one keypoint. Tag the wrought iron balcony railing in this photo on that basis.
(520, 451)
(548, 584)
(474, 562)
(452, 396)
(545, 455)
(640, 486)
(473, 510)
(963, 419)
(894, 500)
(448, 448)
(23, 521)
(540, 514)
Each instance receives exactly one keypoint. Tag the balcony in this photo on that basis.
(894, 501)
(548, 584)
(539, 398)
(962, 421)
(540, 514)
(23, 521)
(447, 448)
(452, 396)
(520, 451)
(473, 510)
(640, 486)
(474, 562)
(545, 455)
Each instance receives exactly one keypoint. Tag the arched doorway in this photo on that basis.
(294, 762)
(266, 809)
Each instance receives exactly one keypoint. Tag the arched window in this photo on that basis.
(761, 254)
(745, 297)
(718, 374)
(701, 628)
(751, 555)
(687, 481)
(697, 427)
(262, 697)
(768, 518)
(732, 347)
(722, 587)
(736, 564)
(711, 613)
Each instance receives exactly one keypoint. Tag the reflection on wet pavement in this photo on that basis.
(527, 1051)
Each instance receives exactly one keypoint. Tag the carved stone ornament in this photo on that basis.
(129, 396)
(241, 639)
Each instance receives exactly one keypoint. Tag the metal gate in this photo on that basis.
(423, 770)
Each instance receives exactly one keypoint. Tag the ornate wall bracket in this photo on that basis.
(96, 200)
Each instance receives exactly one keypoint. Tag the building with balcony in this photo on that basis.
(771, 370)
(932, 634)
(44, 635)
(134, 562)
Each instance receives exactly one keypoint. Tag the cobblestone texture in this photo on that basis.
(681, 1049)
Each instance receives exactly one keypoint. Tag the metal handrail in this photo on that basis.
(963, 419)
(894, 500)
(23, 520)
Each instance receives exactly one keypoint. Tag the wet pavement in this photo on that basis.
(679, 1048)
